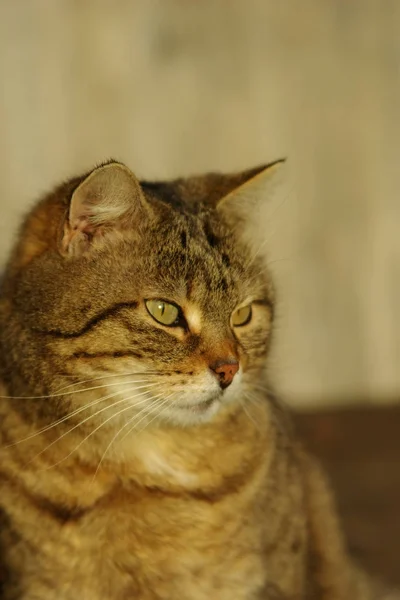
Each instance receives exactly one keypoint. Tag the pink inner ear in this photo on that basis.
(80, 213)
(78, 234)
(82, 224)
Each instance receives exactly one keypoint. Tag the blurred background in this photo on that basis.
(178, 87)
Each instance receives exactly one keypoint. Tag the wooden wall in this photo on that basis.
(173, 87)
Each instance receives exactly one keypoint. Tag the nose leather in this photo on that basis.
(225, 369)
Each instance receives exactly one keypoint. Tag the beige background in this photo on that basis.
(175, 87)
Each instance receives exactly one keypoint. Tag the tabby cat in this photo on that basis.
(141, 455)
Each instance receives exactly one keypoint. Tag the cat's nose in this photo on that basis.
(225, 370)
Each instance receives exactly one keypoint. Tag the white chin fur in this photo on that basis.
(198, 404)
(192, 415)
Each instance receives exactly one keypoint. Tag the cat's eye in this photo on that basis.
(163, 312)
(242, 316)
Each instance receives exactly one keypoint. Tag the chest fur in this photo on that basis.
(176, 528)
(150, 548)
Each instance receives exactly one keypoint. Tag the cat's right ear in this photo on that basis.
(109, 199)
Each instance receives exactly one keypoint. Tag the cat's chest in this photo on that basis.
(173, 518)
(155, 545)
(183, 521)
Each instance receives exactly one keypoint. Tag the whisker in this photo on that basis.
(271, 397)
(75, 412)
(65, 418)
(130, 407)
(70, 393)
(283, 258)
(149, 411)
(88, 419)
(159, 405)
(263, 388)
(129, 374)
(257, 426)
(163, 404)
(108, 385)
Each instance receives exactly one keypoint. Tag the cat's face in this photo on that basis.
(147, 295)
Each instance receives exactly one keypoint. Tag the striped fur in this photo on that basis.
(126, 471)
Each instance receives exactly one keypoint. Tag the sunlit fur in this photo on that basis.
(126, 470)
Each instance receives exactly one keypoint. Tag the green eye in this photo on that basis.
(163, 312)
(242, 316)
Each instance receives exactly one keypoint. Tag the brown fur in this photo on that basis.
(104, 496)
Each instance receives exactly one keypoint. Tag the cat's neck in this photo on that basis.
(209, 459)
(201, 458)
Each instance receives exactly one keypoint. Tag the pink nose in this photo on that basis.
(225, 370)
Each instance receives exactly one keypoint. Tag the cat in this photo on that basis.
(141, 453)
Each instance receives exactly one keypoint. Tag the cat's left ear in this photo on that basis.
(244, 203)
(108, 199)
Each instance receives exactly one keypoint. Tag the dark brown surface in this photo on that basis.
(360, 449)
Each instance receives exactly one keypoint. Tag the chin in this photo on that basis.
(199, 405)
(193, 414)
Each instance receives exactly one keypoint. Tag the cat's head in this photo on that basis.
(153, 294)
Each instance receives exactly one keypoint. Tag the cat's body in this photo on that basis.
(150, 462)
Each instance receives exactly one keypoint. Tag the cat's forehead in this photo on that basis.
(188, 256)
(190, 226)
(195, 254)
